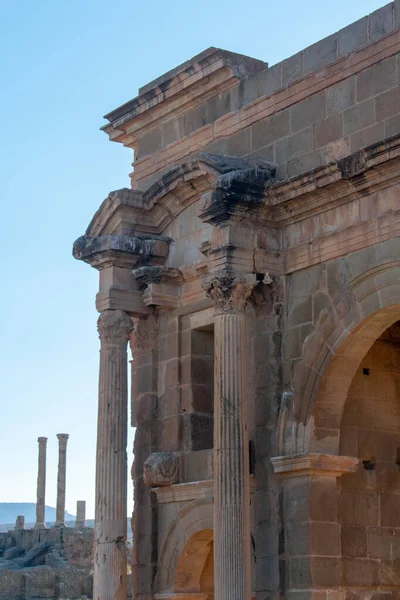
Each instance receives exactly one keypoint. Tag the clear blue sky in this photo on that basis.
(63, 65)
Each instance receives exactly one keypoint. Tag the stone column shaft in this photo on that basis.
(110, 563)
(232, 538)
(41, 485)
(231, 462)
(61, 479)
(80, 522)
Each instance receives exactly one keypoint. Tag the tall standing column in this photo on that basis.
(61, 479)
(232, 541)
(41, 485)
(110, 565)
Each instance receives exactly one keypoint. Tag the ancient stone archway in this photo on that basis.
(311, 416)
(194, 522)
(195, 569)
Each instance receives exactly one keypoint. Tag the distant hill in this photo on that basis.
(9, 511)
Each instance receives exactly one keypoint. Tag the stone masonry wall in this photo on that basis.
(288, 114)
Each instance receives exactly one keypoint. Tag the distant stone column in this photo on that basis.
(61, 479)
(80, 522)
(232, 542)
(110, 563)
(41, 485)
(19, 523)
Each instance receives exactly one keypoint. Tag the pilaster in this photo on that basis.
(311, 537)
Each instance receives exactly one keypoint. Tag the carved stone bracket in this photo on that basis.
(161, 468)
(161, 285)
(240, 186)
(228, 292)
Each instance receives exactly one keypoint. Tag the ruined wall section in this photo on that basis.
(326, 102)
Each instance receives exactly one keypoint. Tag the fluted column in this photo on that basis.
(61, 479)
(110, 564)
(232, 542)
(41, 485)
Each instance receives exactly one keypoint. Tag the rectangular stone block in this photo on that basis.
(359, 116)
(292, 68)
(359, 508)
(376, 79)
(341, 96)
(366, 137)
(353, 37)
(294, 146)
(314, 571)
(383, 543)
(387, 104)
(380, 22)
(305, 163)
(269, 81)
(237, 144)
(354, 541)
(194, 119)
(396, 14)
(149, 143)
(308, 111)
(390, 513)
(360, 571)
(171, 132)
(269, 130)
(222, 104)
(325, 539)
(329, 130)
(392, 126)
(320, 54)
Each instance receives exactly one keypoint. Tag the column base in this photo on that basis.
(60, 525)
(40, 526)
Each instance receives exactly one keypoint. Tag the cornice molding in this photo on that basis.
(282, 202)
(314, 464)
(193, 490)
(119, 250)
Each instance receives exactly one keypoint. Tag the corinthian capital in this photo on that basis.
(228, 292)
(114, 327)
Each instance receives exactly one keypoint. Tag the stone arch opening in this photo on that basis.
(195, 567)
(343, 333)
(368, 500)
(322, 432)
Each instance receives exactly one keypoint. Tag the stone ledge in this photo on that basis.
(181, 596)
(314, 464)
(193, 490)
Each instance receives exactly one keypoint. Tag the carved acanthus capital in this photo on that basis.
(228, 292)
(114, 327)
(161, 468)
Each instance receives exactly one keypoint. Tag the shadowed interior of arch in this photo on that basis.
(335, 384)
(195, 567)
(369, 498)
